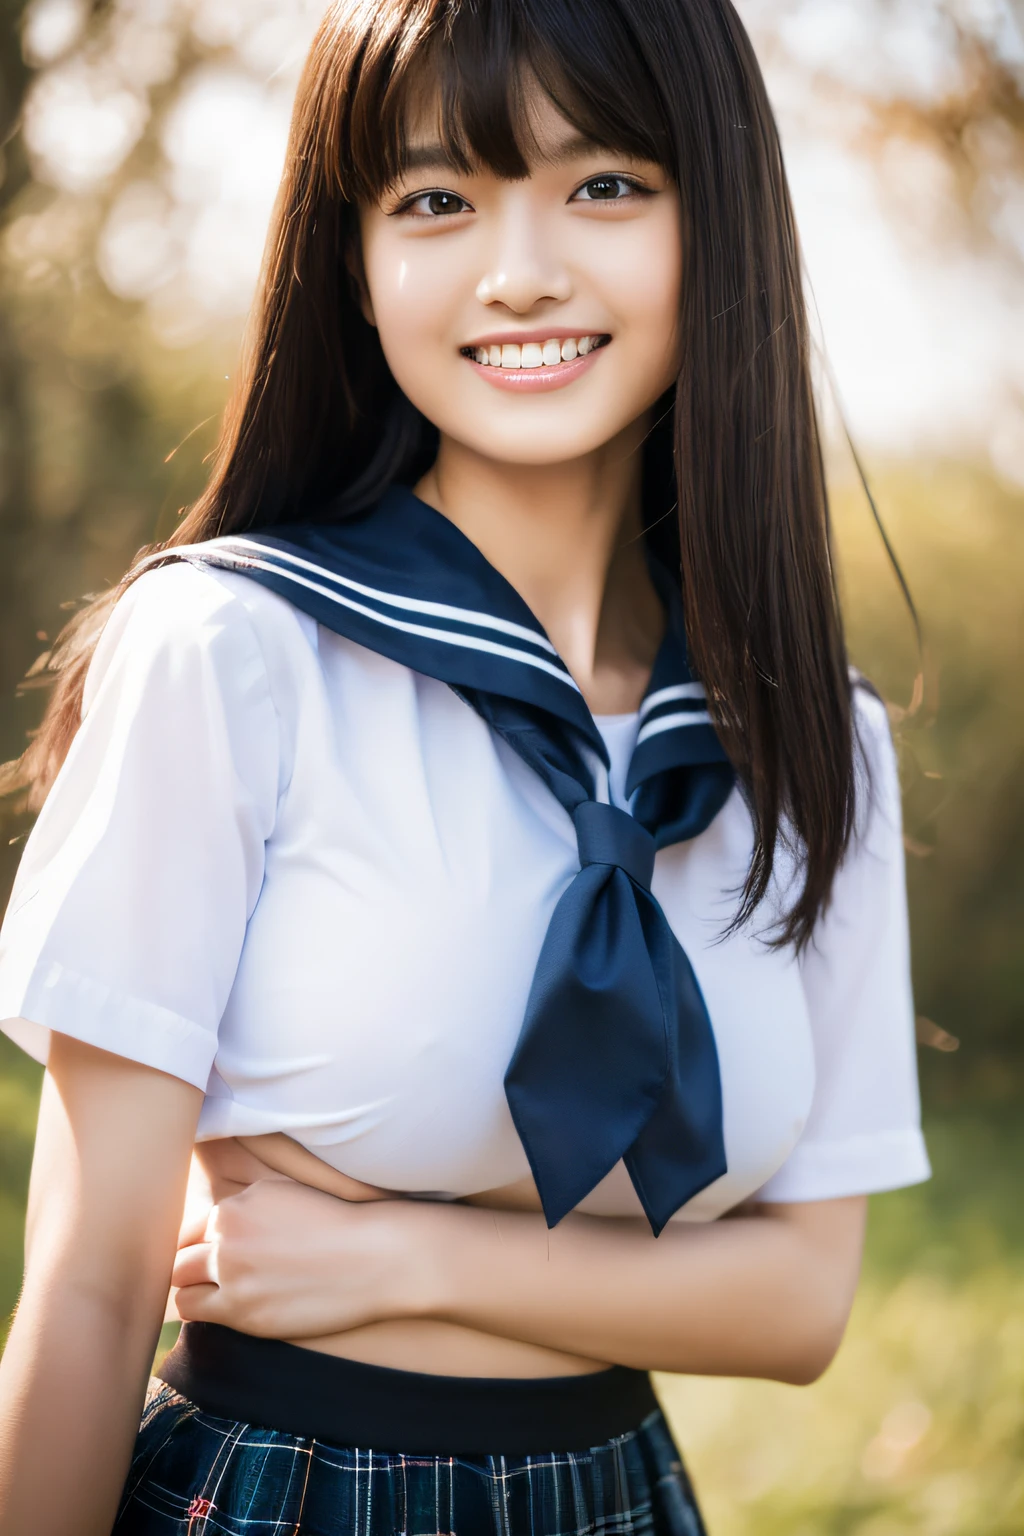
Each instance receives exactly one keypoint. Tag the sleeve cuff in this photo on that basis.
(55, 998)
(860, 1165)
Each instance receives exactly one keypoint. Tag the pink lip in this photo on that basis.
(533, 381)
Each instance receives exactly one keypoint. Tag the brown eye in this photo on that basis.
(606, 189)
(437, 204)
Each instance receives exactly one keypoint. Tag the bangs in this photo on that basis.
(474, 67)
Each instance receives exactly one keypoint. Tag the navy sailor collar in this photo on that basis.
(616, 1057)
(406, 582)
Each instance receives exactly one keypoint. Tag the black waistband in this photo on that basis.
(302, 1392)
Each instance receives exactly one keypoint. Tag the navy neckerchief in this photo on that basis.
(616, 1057)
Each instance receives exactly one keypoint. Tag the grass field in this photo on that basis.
(918, 1427)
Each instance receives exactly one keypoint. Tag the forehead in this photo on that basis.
(539, 124)
(544, 135)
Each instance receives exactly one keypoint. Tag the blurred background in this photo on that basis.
(142, 143)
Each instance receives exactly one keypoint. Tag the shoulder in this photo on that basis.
(185, 620)
(186, 603)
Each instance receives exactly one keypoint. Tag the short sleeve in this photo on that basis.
(863, 1133)
(129, 911)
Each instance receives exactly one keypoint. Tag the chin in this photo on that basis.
(539, 439)
(534, 455)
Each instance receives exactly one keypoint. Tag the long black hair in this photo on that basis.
(735, 489)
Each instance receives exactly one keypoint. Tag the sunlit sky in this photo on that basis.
(924, 334)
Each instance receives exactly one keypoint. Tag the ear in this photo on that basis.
(357, 277)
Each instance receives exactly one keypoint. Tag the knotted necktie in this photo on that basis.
(616, 1058)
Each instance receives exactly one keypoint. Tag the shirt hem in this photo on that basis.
(55, 998)
(862, 1165)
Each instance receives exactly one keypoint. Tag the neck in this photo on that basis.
(569, 539)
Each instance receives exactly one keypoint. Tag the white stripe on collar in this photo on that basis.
(669, 723)
(227, 557)
(667, 695)
(411, 604)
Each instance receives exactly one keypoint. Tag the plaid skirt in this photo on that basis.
(197, 1475)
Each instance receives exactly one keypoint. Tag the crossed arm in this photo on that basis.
(762, 1294)
(765, 1293)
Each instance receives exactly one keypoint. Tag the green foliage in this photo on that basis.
(917, 1430)
(918, 1427)
(20, 1079)
(960, 535)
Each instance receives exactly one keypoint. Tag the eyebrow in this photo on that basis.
(426, 157)
(434, 157)
(573, 147)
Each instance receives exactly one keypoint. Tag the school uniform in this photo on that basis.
(340, 843)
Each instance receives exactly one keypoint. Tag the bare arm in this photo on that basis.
(764, 1293)
(107, 1189)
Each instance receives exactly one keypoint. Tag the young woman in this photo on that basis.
(493, 935)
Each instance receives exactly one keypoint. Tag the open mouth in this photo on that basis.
(516, 356)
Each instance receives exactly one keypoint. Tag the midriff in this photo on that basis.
(222, 1168)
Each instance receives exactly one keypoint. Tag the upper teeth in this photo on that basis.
(535, 354)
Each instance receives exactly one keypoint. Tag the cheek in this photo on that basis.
(647, 276)
(413, 293)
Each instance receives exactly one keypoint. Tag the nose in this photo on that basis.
(523, 267)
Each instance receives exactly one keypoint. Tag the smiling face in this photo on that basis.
(532, 321)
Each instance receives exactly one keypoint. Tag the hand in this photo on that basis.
(281, 1260)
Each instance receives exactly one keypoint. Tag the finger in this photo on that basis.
(200, 1304)
(193, 1227)
(355, 1191)
(195, 1265)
